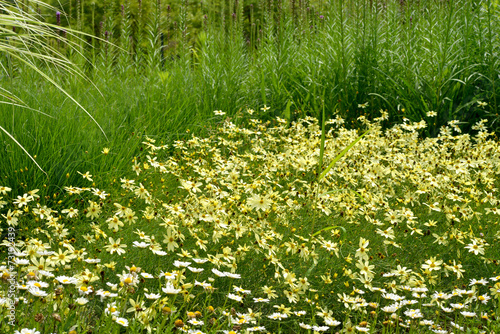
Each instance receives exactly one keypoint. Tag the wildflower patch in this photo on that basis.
(234, 233)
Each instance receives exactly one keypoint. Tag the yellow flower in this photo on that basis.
(259, 202)
(135, 306)
(115, 246)
(432, 264)
(363, 248)
(170, 240)
(365, 268)
(269, 292)
(86, 176)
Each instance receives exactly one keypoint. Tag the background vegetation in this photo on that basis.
(170, 65)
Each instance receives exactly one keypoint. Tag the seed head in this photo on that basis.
(39, 317)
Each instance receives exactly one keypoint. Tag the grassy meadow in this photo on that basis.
(261, 166)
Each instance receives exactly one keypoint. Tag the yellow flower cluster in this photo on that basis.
(400, 220)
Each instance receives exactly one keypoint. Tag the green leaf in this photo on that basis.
(21, 146)
(340, 155)
(287, 113)
(328, 228)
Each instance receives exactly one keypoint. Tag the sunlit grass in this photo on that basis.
(213, 234)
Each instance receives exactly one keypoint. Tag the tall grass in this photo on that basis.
(164, 74)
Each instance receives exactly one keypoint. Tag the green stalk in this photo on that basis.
(322, 145)
(340, 155)
(344, 63)
(490, 63)
(93, 40)
(322, 175)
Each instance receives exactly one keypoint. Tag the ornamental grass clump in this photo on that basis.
(213, 235)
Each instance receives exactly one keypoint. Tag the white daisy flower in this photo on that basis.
(81, 301)
(122, 321)
(141, 244)
(235, 297)
(218, 273)
(152, 295)
(200, 261)
(180, 264)
(169, 289)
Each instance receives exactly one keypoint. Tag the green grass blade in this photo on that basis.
(21, 146)
(328, 228)
(340, 155)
